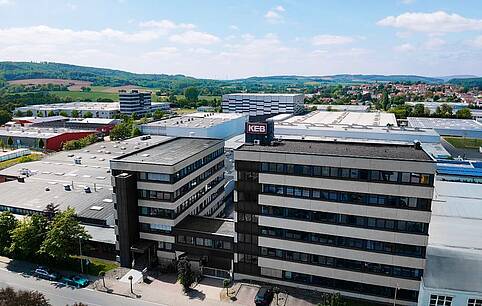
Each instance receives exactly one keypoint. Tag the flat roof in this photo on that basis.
(59, 168)
(215, 226)
(444, 123)
(170, 152)
(106, 106)
(344, 118)
(454, 252)
(263, 94)
(349, 149)
(200, 120)
(35, 132)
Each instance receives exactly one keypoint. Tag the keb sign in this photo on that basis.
(257, 128)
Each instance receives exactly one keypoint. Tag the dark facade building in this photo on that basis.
(134, 102)
(157, 187)
(348, 217)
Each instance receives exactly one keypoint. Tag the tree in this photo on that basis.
(40, 143)
(51, 210)
(10, 141)
(63, 237)
(464, 113)
(74, 113)
(63, 113)
(385, 100)
(10, 297)
(2, 145)
(226, 283)
(332, 300)
(19, 113)
(191, 94)
(185, 276)
(7, 225)
(158, 114)
(27, 237)
(443, 111)
(88, 115)
(135, 131)
(419, 110)
(4, 117)
(29, 113)
(50, 114)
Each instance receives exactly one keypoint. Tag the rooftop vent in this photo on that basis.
(67, 187)
(87, 189)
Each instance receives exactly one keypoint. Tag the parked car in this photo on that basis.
(264, 296)
(77, 281)
(45, 273)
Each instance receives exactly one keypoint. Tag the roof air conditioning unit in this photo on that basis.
(256, 141)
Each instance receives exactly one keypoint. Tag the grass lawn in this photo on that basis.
(183, 111)
(95, 266)
(93, 95)
(18, 160)
(464, 143)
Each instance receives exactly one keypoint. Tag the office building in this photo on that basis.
(262, 106)
(199, 124)
(159, 185)
(134, 102)
(348, 217)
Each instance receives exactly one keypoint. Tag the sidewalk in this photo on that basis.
(166, 291)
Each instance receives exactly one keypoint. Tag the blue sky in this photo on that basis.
(231, 39)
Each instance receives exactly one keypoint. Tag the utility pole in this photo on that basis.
(81, 260)
(395, 299)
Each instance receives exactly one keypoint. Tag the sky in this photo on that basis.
(224, 39)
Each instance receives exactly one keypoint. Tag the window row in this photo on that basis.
(440, 300)
(173, 196)
(346, 242)
(172, 178)
(348, 197)
(204, 242)
(350, 174)
(343, 285)
(345, 264)
(157, 212)
(248, 258)
(346, 220)
(474, 302)
(247, 217)
(155, 228)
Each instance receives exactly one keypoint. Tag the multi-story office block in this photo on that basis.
(348, 217)
(158, 186)
(134, 102)
(263, 105)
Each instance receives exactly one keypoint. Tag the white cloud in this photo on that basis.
(405, 48)
(56, 36)
(326, 39)
(436, 22)
(5, 2)
(166, 25)
(71, 6)
(477, 42)
(234, 27)
(407, 1)
(163, 52)
(194, 38)
(434, 43)
(275, 15)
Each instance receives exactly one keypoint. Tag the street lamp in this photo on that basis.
(130, 279)
(395, 299)
(80, 249)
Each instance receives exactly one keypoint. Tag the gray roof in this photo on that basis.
(216, 226)
(101, 234)
(454, 253)
(444, 123)
(171, 151)
(338, 148)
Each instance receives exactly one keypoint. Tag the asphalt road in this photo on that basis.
(60, 295)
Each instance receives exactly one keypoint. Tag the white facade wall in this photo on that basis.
(262, 104)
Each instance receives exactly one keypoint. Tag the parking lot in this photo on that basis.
(246, 293)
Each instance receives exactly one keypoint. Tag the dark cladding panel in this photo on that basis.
(127, 215)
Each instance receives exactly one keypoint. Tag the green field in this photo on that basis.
(19, 160)
(80, 95)
(464, 143)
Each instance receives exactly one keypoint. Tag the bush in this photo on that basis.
(80, 143)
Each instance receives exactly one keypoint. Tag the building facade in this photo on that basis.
(263, 105)
(80, 109)
(333, 216)
(134, 102)
(156, 187)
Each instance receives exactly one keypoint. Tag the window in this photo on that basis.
(440, 300)
(199, 241)
(474, 302)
